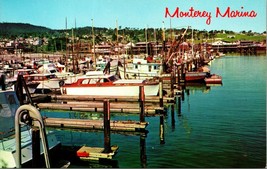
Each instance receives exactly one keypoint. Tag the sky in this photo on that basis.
(135, 13)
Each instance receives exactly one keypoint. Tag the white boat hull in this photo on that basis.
(150, 90)
(49, 84)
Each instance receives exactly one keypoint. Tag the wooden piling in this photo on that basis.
(162, 138)
(182, 73)
(3, 82)
(178, 104)
(36, 147)
(142, 103)
(178, 74)
(172, 84)
(19, 89)
(160, 92)
(107, 148)
(174, 74)
(143, 157)
(182, 95)
(172, 116)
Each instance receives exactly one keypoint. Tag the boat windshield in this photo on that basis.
(8, 106)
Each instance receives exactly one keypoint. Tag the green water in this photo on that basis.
(222, 127)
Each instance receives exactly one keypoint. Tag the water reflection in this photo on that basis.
(143, 156)
(73, 139)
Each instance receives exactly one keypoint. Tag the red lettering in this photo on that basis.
(235, 13)
(168, 13)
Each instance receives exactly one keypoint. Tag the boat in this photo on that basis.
(213, 79)
(9, 104)
(59, 71)
(189, 76)
(97, 83)
(140, 69)
(195, 76)
(26, 73)
(47, 83)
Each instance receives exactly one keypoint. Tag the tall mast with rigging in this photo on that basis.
(93, 36)
(66, 58)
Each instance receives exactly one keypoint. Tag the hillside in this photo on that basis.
(15, 29)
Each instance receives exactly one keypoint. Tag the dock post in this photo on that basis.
(36, 147)
(19, 89)
(143, 157)
(172, 116)
(178, 74)
(172, 78)
(2, 83)
(178, 104)
(182, 73)
(174, 74)
(142, 103)
(107, 148)
(196, 64)
(183, 88)
(187, 92)
(161, 130)
(160, 92)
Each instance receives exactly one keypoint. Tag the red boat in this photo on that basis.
(189, 76)
(195, 76)
(213, 79)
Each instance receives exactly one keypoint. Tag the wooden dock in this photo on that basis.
(151, 109)
(95, 124)
(148, 99)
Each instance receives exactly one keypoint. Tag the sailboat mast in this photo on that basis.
(146, 41)
(66, 60)
(72, 54)
(163, 39)
(155, 39)
(117, 32)
(94, 58)
(171, 30)
(192, 41)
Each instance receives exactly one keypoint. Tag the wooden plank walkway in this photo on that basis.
(148, 99)
(115, 107)
(95, 124)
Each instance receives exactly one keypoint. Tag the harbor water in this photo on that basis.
(221, 126)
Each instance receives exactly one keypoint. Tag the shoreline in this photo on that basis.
(51, 56)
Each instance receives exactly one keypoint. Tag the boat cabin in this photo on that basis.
(96, 80)
(143, 66)
(49, 68)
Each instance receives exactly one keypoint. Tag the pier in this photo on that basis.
(95, 124)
